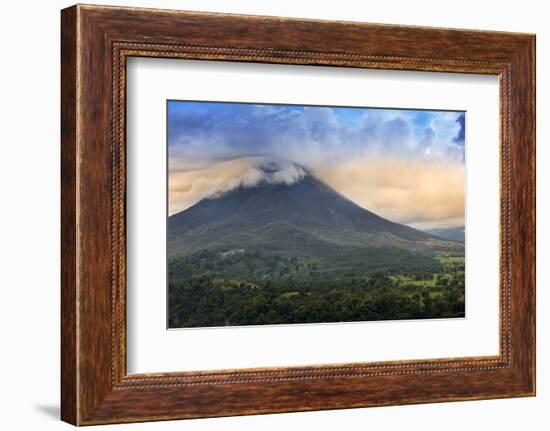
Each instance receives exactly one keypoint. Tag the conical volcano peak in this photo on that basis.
(272, 170)
(271, 165)
(279, 208)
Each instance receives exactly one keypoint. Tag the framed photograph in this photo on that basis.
(264, 214)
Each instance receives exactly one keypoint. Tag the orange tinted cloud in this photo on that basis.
(188, 186)
(423, 194)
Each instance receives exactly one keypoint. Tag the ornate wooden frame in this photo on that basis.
(96, 41)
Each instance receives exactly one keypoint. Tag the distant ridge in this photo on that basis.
(451, 233)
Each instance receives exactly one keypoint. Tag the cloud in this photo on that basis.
(423, 194)
(406, 165)
(461, 135)
(188, 186)
(212, 132)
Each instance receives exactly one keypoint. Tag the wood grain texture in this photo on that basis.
(96, 41)
(69, 366)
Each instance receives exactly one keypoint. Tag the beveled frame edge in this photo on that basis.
(95, 43)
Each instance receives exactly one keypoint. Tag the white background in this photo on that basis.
(29, 228)
(151, 348)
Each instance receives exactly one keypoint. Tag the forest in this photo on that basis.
(238, 288)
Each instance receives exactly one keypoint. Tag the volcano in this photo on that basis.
(303, 217)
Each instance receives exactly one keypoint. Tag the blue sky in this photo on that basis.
(201, 131)
(404, 164)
